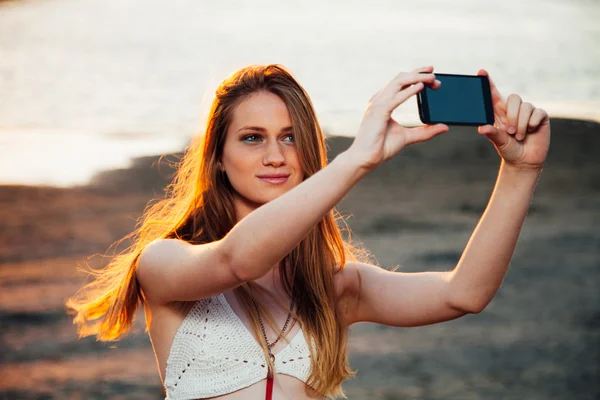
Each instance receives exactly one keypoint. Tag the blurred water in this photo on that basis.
(73, 72)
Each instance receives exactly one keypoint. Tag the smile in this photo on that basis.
(275, 181)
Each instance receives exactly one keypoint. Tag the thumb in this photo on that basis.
(499, 138)
(424, 132)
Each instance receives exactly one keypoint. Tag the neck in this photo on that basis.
(271, 281)
(243, 206)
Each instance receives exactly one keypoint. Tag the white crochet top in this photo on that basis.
(213, 353)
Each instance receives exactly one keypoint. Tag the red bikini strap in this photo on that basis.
(269, 388)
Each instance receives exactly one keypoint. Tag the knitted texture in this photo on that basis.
(213, 353)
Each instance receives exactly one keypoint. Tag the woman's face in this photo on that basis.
(260, 143)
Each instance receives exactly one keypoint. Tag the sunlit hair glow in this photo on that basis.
(199, 208)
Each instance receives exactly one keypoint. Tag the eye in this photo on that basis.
(244, 139)
(291, 137)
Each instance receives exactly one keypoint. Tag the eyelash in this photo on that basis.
(253, 135)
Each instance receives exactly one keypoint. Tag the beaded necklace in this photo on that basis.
(271, 373)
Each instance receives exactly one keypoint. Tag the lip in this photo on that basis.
(275, 179)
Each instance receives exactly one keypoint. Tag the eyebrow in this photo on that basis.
(261, 129)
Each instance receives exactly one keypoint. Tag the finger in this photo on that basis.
(513, 105)
(435, 85)
(404, 94)
(395, 90)
(499, 137)
(415, 71)
(524, 116)
(410, 85)
(536, 119)
(425, 132)
(400, 82)
(374, 96)
(497, 101)
(428, 68)
(410, 79)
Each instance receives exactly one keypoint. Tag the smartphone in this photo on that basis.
(460, 100)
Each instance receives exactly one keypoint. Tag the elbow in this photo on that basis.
(247, 263)
(241, 274)
(244, 270)
(466, 301)
(234, 269)
(470, 305)
(238, 266)
(473, 306)
(473, 309)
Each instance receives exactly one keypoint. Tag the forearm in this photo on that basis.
(266, 235)
(484, 263)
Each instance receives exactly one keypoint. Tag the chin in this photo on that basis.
(273, 194)
(262, 195)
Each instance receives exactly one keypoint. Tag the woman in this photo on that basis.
(247, 285)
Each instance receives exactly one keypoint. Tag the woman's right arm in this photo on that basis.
(171, 269)
(174, 270)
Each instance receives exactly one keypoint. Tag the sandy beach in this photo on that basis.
(538, 339)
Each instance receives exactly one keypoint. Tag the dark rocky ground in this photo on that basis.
(538, 339)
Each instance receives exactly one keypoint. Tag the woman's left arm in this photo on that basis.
(521, 136)
(485, 260)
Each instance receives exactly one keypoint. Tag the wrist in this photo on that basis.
(352, 162)
(522, 170)
(519, 176)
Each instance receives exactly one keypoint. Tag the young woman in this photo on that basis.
(247, 285)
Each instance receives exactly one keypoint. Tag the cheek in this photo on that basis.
(294, 163)
(240, 165)
(239, 161)
(240, 175)
(241, 169)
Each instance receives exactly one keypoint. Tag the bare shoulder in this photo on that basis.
(151, 267)
(175, 270)
(159, 250)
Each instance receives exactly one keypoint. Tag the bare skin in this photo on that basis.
(246, 156)
(521, 136)
(166, 319)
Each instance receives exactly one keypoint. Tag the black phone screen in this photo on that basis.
(460, 100)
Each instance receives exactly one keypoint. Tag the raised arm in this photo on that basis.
(521, 135)
(176, 271)
(266, 235)
(422, 298)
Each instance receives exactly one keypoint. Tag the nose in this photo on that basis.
(274, 155)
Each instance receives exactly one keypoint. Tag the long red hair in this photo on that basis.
(199, 208)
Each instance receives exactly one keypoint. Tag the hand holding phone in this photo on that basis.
(379, 136)
(459, 100)
(519, 130)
